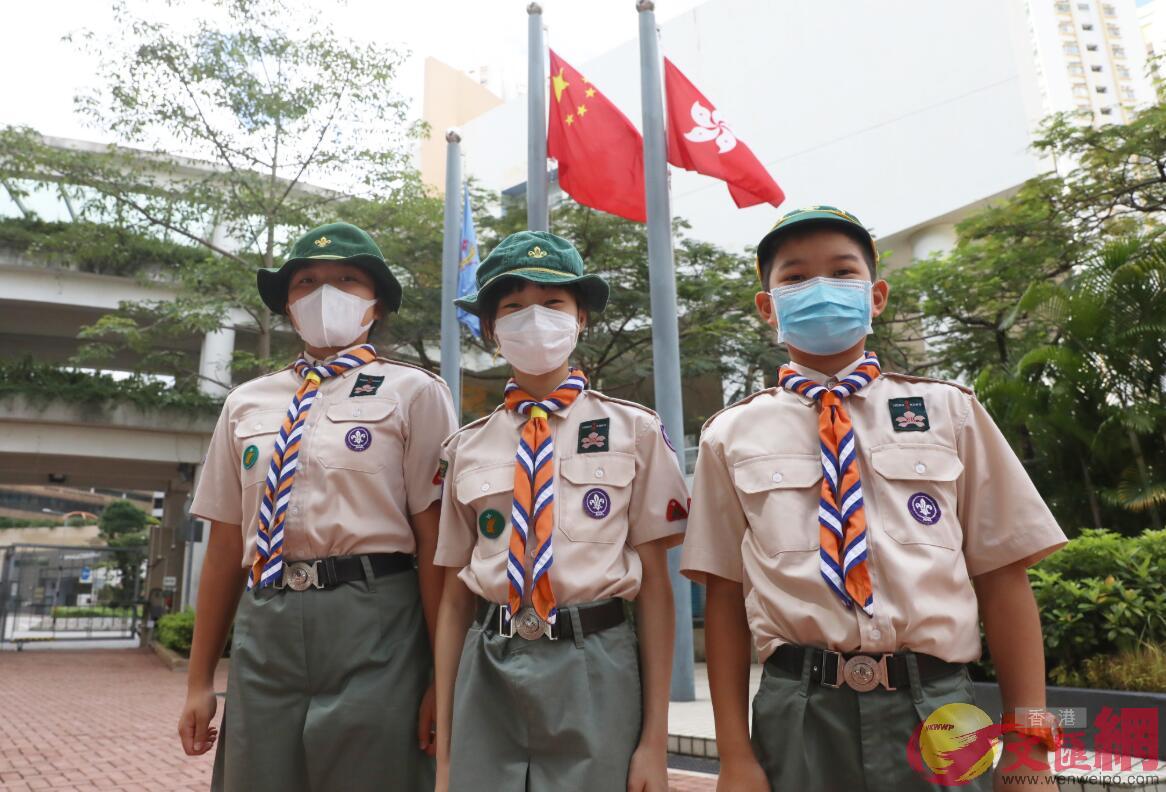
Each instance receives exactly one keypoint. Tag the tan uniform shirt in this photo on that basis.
(615, 476)
(945, 499)
(367, 459)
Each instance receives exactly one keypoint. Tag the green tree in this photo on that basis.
(123, 526)
(228, 118)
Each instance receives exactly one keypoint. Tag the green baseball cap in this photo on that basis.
(331, 242)
(538, 257)
(826, 215)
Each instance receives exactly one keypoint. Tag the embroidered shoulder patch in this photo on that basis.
(593, 436)
(909, 414)
(490, 523)
(442, 467)
(250, 456)
(366, 385)
(676, 511)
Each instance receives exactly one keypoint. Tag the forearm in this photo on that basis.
(1012, 626)
(655, 628)
(727, 647)
(453, 621)
(430, 578)
(220, 586)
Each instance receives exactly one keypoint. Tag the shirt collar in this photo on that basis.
(823, 379)
(521, 419)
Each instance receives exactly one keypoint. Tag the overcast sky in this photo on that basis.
(39, 74)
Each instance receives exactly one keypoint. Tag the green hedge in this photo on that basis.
(21, 522)
(80, 612)
(175, 631)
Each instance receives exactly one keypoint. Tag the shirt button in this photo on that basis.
(830, 383)
(777, 478)
(598, 472)
(920, 467)
(295, 509)
(355, 412)
(486, 487)
(258, 426)
(875, 634)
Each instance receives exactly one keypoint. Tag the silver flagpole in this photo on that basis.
(665, 333)
(450, 261)
(536, 119)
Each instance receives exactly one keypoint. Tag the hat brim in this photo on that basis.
(768, 244)
(273, 283)
(593, 289)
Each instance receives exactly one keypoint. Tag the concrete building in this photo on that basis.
(911, 114)
(450, 98)
(1152, 21)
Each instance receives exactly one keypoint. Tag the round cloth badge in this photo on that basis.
(596, 503)
(490, 523)
(358, 438)
(250, 456)
(924, 508)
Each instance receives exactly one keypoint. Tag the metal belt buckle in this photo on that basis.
(864, 673)
(528, 625)
(838, 680)
(301, 575)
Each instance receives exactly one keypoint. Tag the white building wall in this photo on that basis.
(902, 112)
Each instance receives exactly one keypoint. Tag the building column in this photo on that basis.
(214, 364)
(167, 552)
(937, 238)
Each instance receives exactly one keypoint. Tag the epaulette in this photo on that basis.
(473, 424)
(637, 405)
(912, 378)
(408, 365)
(737, 403)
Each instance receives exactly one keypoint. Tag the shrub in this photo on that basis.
(1142, 669)
(175, 631)
(83, 611)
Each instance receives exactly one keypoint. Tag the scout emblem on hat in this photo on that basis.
(366, 385)
(358, 438)
(593, 436)
(491, 523)
(675, 511)
(439, 476)
(597, 503)
(909, 414)
(250, 456)
(924, 508)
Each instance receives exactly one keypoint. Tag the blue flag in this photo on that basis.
(468, 262)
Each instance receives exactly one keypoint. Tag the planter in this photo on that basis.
(170, 658)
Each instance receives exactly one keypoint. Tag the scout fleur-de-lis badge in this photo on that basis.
(323, 242)
(537, 252)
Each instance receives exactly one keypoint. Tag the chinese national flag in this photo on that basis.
(600, 153)
(699, 140)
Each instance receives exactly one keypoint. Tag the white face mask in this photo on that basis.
(330, 317)
(537, 339)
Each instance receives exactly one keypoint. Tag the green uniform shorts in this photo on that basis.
(807, 736)
(546, 716)
(324, 690)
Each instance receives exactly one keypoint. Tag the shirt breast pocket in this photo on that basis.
(917, 493)
(255, 435)
(593, 496)
(780, 494)
(489, 492)
(352, 436)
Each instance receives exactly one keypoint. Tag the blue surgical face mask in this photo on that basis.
(823, 316)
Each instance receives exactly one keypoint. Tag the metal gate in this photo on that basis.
(51, 593)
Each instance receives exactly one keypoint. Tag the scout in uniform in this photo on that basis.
(319, 486)
(557, 511)
(860, 525)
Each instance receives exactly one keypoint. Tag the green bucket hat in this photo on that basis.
(538, 257)
(830, 215)
(331, 242)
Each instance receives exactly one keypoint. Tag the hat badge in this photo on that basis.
(537, 252)
(322, 242)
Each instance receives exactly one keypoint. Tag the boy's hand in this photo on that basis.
(427, 722)
(742, 775)
(194, 729)
(649, 770)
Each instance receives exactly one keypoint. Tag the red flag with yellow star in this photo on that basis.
(600, 153)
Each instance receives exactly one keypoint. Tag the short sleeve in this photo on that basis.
(1004, 518)
(456, 532)
(219, 494)
(431, 419)
(716, 521)
(659, 502)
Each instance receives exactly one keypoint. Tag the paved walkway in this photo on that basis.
(83, 720)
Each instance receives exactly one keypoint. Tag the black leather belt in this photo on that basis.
(858, 671)
(593, 618)
(326, 573)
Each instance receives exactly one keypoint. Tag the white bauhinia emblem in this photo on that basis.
(709, 126)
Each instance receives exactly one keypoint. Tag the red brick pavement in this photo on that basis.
(82, 720)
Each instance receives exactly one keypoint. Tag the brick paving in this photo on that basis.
(83, 720)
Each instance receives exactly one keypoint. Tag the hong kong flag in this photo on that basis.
(699, 140)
